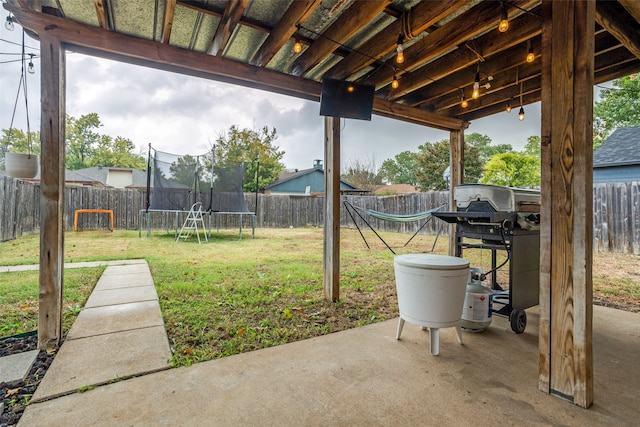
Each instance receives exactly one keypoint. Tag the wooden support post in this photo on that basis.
(565, 347)
(52, 137)
(456, 162)
(332, 208)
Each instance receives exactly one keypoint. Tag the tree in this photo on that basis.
(619, 107)
(433, 159)
(401, 169)
(254, 147)
(184, 170)
(483, 143)
(512, 170)
(81, 140)
(532, 146)
(363, 174)
(116, 152)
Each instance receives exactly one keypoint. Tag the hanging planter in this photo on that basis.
(21, 165)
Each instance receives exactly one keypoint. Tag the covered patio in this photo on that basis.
(450, 49)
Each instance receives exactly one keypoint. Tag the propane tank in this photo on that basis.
(476, 313)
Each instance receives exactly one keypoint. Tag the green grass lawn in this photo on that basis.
(230, 296)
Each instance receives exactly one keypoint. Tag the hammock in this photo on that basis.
(383, 216)
(397, 218)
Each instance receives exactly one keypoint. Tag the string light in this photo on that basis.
(31, 69)
(531, 56)
(508, 106)
(400, 50)
(463, 102)
(9, 24)
(297, 46)
(521, 112)
(395, 83)
(476, 86)
(503, 26)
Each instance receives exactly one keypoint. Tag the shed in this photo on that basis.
(618, 158)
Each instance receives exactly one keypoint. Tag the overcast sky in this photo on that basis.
(182, 115)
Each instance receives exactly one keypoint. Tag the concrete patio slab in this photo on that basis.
(119, 281)
(116, 318)
(100, 298)
(16, 366)
(365, 377)
(100, 359)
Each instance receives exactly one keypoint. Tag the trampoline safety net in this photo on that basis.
(176, 182)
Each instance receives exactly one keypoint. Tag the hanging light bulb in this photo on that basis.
(463, 102)
(476, 86)
(531, 56)
(31, 69)
(521, 113)
(400, 50)
(395, 83)
(503, 26)
(9, 24)
(297, 46)
(508, 106)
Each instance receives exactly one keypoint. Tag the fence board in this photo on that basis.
(616, 212)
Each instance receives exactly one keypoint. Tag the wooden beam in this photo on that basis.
(297, 13)
(332, 208)
(167, 24)
(95, 41)
(523, 28)
(230, 18)
(474, 22)
(505, 88)
(358, 15)
(617, 21)
(52, 158)
(510, 60)
(565, 336)
(102, 14)
(633, 7)
(456, 167)
(421, 17)
(410, 114)
(601, 76)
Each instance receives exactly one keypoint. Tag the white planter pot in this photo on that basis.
(21, 165)
(431, 288)
(431, 292)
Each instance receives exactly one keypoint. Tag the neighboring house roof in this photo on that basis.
(302, 175)
(621, 148)
(101, 173)
(98, 176)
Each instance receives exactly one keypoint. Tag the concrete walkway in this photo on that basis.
(32, 267)
(361, 377)
(119, 334)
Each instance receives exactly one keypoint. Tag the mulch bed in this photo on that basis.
(15, 395)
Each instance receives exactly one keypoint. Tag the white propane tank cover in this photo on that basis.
(432, 261)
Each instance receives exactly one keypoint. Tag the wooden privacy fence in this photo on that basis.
(616, 209)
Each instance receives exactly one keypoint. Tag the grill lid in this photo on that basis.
(502, 199)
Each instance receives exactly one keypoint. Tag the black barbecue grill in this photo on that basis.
(502, 219)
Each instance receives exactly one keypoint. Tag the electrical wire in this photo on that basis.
(22, 84)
